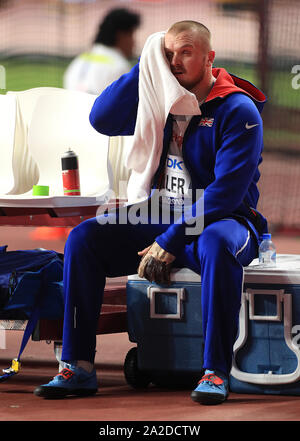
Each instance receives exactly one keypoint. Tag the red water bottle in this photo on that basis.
(70, 173)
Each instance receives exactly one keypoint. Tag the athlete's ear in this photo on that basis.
(211, 57)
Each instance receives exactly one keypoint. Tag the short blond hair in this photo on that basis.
(187, 25)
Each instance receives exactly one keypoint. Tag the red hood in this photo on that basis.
(227, 83)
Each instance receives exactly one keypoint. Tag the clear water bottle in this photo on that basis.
(267, 251)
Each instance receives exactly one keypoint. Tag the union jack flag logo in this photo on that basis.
(207, 122)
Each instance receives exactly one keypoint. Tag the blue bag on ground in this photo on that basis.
(31, 282)
(20, 283)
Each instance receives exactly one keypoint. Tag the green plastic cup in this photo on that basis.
(40, 190)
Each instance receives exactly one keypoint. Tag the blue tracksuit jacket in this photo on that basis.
(221, 148)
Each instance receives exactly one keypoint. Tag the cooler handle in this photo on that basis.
(250, 294)
(269, 378)
(180, 296)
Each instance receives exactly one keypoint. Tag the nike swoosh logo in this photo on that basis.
(250, 126)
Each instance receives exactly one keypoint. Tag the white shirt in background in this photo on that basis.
(95, 69)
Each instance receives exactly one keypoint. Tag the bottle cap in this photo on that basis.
(267, 236)
(69, 160)
(40, 190)
(69, 153)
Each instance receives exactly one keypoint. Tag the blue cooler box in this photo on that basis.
(166, 324)
(267, 351)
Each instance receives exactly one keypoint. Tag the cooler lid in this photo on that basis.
(177, 275)
(287, 270)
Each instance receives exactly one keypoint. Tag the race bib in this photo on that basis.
(176, 182)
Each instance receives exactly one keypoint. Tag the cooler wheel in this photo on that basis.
(134, 376)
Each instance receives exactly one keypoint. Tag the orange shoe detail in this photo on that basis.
(66, 373)
(212, 378)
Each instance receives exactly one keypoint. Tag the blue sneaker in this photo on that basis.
(211, 389)
(70, 381)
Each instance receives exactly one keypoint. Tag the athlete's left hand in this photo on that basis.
(155, 265)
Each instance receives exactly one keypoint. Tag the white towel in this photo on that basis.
(159, 94)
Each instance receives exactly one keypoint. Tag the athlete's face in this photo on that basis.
(187, 56)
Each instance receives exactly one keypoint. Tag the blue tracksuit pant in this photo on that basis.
(95, 251)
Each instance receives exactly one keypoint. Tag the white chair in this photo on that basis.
(25, 169)
(119, 174)
(60, 121)
(8, 176)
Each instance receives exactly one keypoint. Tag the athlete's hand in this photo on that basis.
(155, 265)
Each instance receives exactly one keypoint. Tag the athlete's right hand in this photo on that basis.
(155, 265)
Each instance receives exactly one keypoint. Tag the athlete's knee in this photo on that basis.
(213, 242)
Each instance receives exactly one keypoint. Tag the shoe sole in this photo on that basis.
(208, 398)
(59, 392)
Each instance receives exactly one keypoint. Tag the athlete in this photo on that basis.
(218, 151)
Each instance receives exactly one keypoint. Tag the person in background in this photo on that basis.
(108, 58)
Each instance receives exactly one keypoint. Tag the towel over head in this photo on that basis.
(159, 95)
